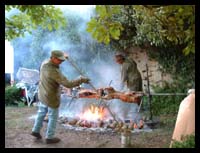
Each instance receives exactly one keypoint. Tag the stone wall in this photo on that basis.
(156, 76)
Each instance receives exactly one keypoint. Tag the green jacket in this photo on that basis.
(131, 76)
(49, 86)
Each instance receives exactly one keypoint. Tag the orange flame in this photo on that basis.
(93, 113)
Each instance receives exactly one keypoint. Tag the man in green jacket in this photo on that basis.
(130, 75)
(49, 94)
(131, 80)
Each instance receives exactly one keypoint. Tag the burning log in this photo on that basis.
(135, 125)
(62, 120)
(109, 93)
(73, 122)
(100, 123)
(131, 126)
(115, 126)
(93, 124)
(141, 124)
(112, 125)
(80, 123)
(89, 124)
(120, 126)
(86, 124)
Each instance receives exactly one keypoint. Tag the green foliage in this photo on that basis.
(168, 121)
(163, 105)
(170, 29)
(21, 104)
(145, 25)
(176, 24)
(181, 68)
(31, 16)
(7, 79)
(187, 142)
(101, 28)
(12, 95)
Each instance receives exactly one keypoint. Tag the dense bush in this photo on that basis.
(188, 142)
(7, 79)
(164, 104)
(12, 95)
(181, 67)
(182, 70)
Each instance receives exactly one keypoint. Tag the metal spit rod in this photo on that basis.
(166, 94)
(159, 94)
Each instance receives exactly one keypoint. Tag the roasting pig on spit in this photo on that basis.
(109, 93)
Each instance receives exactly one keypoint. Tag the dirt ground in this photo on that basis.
(18, 127)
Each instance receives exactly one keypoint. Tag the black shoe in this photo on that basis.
(37, 135)
(53, 140)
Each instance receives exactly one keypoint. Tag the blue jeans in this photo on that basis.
(52, 120)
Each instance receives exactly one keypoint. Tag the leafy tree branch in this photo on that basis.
(31, 16)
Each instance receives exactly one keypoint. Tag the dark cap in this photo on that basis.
(58, 54)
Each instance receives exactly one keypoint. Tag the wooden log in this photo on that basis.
(100, 123)
(113, 125)
(78, 123)
(72, 122)
(62, 120)
(135, 125)
(141, 124)
(131, 126)
(93, 124)
(87, 124)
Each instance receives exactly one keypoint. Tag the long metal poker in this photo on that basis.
(74, 65)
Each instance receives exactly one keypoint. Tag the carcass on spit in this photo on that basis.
(88, 93)
(109, 93)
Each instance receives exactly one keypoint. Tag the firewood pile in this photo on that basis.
(109, 93)
(111, 124)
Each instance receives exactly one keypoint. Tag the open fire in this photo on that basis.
(100, 117)
(95, 117)
(93, 113)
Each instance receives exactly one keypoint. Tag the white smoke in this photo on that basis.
(101, 71)
(83, 10)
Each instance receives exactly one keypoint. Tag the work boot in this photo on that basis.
(37, 135)
(53, 140)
